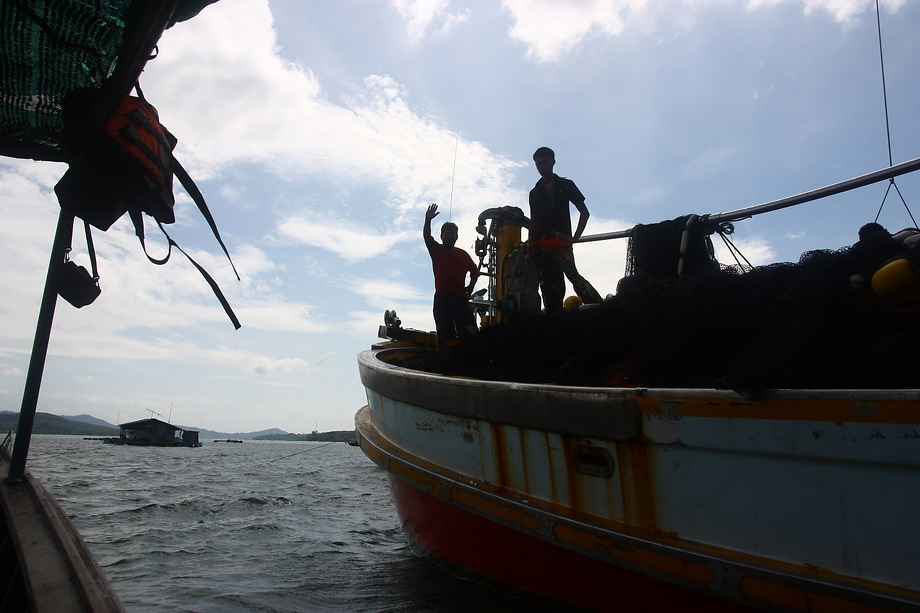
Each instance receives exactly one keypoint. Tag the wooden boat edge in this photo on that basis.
(49, 548)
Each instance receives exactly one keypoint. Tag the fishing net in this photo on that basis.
(655, 249)
(790, 325)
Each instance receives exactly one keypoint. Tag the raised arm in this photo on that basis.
(430, 214)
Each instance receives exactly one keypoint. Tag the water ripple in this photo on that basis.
(260, 526)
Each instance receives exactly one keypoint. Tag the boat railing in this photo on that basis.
(774, 205)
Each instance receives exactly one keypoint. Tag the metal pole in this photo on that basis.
(815, 194)
(822, 192)
(62, 240)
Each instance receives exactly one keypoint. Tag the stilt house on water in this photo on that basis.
(156, 433)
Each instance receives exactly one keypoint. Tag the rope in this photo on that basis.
(450, 204)
(733, 249)
(891, 184)
(881, 58)
(284, 457)
(5, 447)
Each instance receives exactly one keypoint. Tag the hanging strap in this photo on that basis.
(195, 193)
(137, 218)
(207, 277)
(92, 251)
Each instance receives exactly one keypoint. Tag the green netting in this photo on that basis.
(50, 48)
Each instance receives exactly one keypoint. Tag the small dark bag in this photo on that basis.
(75, 284)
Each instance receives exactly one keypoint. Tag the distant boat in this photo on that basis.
(227, 440)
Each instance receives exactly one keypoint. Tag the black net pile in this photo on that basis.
(655, 249)
(782, 326)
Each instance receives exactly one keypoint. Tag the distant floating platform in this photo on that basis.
(142, 443)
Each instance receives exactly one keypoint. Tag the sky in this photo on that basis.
(319, 132)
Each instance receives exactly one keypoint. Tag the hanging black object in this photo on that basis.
(122, 162)
(75, 284)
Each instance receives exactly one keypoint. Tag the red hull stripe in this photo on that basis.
(451, 533)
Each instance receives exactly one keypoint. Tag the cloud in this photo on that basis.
(549, 29)
(372, 288)
(139, 302)
(235, 100)
(240, 360)
(422, 15)
(843, 11)
(352, 245)
(11, 371)
(711, 162)
(277, 315)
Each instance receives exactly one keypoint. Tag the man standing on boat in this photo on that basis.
(550, 240)
(453, 316)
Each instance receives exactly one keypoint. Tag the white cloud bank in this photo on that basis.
(549, 29)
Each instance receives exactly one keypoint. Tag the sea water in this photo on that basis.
(252, 526)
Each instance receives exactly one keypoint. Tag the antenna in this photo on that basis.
(450, 204)
(152, 413)
(170, 413)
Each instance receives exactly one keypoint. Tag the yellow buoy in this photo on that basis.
(895, 276)
(572, 302)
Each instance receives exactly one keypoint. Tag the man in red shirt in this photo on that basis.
(453, 316)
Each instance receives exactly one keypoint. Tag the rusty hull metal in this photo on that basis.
(803, 498)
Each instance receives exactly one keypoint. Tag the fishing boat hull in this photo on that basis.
(636, 499)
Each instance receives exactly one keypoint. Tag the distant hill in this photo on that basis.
(89, 419)
(87, 425)
(202, 433)
(46, 423)
(336, 436)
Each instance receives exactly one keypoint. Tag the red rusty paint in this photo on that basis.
(523, 446)
(636, 485)
(499, 451)
(450, 532)
(571, 475)
(551, 468)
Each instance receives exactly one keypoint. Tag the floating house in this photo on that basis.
(153, 432)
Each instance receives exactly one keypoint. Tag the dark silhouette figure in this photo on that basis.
(551, 237)
(453, 316)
